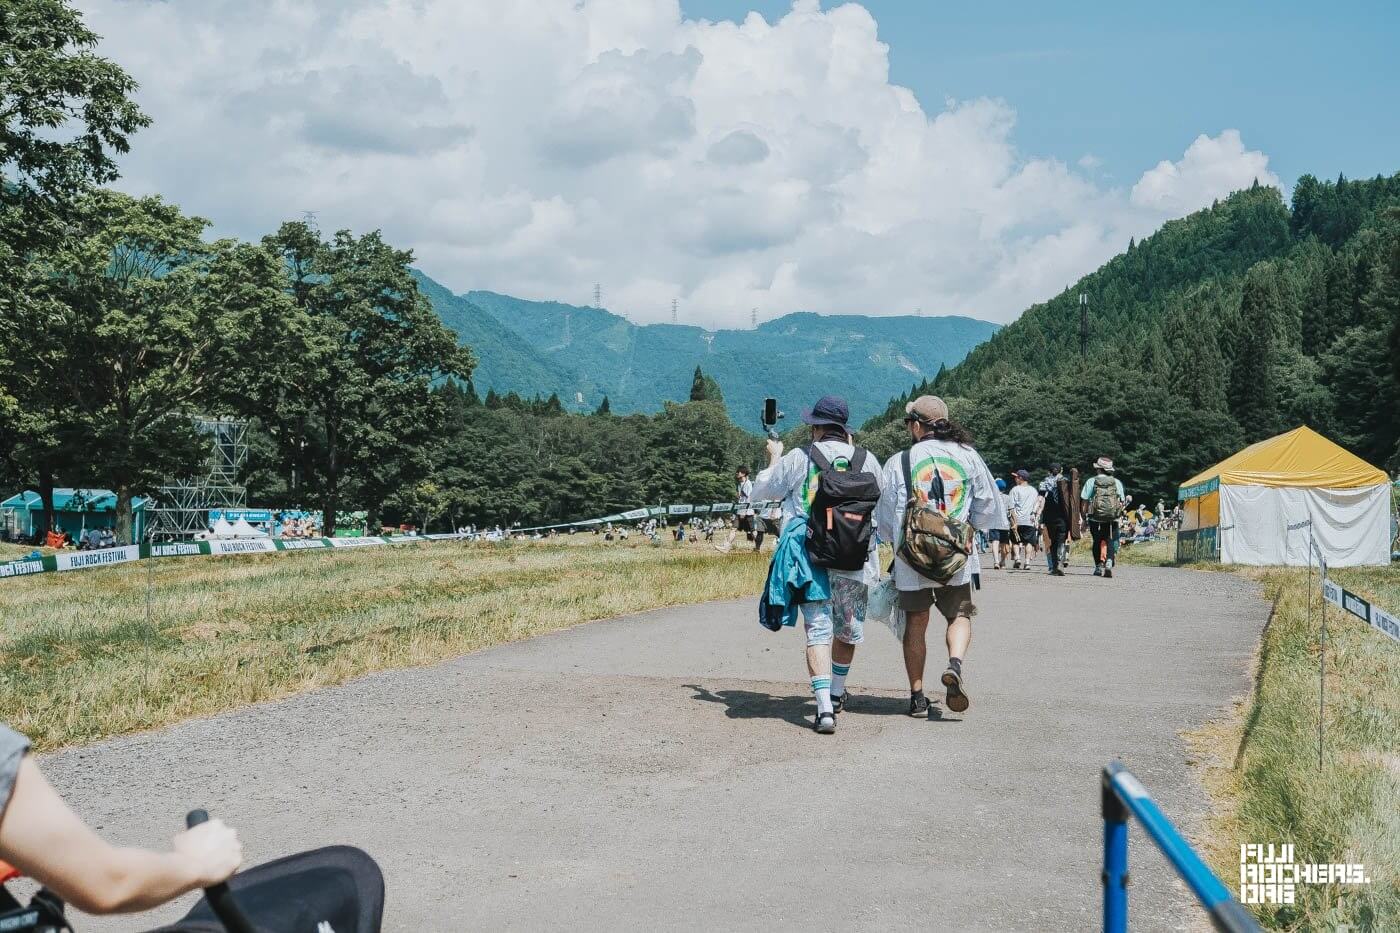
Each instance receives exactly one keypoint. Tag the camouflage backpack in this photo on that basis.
(934, 543)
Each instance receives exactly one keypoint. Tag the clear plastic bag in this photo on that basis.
(880, 605)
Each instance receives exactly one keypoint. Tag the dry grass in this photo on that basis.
(1261, 765)
(81, 659)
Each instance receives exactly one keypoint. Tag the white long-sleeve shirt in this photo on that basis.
(793, 479)
(971, 492)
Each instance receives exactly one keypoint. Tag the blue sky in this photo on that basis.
(1314, 85)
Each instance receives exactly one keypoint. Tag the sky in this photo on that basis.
(880, 158)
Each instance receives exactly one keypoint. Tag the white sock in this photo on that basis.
(821, 687)
(838, 678)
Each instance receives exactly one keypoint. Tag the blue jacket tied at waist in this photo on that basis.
(792, 580)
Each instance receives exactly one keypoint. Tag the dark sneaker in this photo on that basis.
(957, 700)
(839, 703)
(918, 706)
(1098, 571)
(1108, 572)
(825, 723)
(1058, 572)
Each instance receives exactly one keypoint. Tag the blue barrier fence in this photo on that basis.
(1124, 795)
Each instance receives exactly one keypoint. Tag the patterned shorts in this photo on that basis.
(843, 616)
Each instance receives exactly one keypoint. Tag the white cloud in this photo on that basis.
(538, 146)
(1209, 167)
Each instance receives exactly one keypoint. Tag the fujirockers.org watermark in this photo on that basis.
(1269, 874)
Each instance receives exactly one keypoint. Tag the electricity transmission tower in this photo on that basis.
(1083, 325)
(597, 295)
(675, 315)
(753, 318)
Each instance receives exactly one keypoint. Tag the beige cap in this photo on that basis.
(927, 408)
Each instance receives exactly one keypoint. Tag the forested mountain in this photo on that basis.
(1225, 327)
(583, 354)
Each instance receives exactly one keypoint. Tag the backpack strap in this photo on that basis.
(908, 476)
(858, 459)
(814, 454)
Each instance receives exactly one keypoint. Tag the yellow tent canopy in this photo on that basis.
(1301, 457)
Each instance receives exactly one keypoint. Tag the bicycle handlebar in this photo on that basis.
(219, 896)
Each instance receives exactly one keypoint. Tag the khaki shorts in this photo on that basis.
(952, 601)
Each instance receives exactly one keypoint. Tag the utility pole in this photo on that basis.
(597, 294)
(1083, 325)
(675, 315)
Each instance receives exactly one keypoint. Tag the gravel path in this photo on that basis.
(659, 771)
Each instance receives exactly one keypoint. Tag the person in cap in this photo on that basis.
(1104, 503)
(1055, 514)
(937, 443)
(833, 627)
(1023, 503)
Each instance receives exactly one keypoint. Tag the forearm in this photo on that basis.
(41, 837)
(135, 879)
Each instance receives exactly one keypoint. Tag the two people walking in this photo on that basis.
(940, 467)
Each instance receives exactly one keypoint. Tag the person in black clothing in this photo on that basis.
(1055, 516)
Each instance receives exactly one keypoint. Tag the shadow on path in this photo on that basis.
(754, 704)
(798, 710)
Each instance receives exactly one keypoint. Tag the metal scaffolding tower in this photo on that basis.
(181, 509)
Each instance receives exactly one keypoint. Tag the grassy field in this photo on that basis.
(1262, 765)
(81, 659)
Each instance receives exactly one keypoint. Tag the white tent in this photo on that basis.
(241, 529)
(1263, 505)
(222, 529)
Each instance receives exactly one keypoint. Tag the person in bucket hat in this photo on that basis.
(833, 627)
(1104, 502)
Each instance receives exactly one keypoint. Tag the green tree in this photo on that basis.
(354, 410)
(1253, 390)
(65, 112)
(604, 407)
(704, 388)
(1194, 361)
(150, 325)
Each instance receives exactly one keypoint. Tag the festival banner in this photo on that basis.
(83, 560)
(222, 547)
(23, 567)
(302, 544)
(1363, 609)
(251, 516)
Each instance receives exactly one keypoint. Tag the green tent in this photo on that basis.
(75, 511)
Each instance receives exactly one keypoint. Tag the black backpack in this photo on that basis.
(842, 518)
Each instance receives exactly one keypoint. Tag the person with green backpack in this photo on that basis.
(934, 496)
(1104, 503)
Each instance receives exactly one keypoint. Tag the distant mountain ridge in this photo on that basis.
(583, 354)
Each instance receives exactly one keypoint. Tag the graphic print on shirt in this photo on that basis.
(809, 485)
(955, 483)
